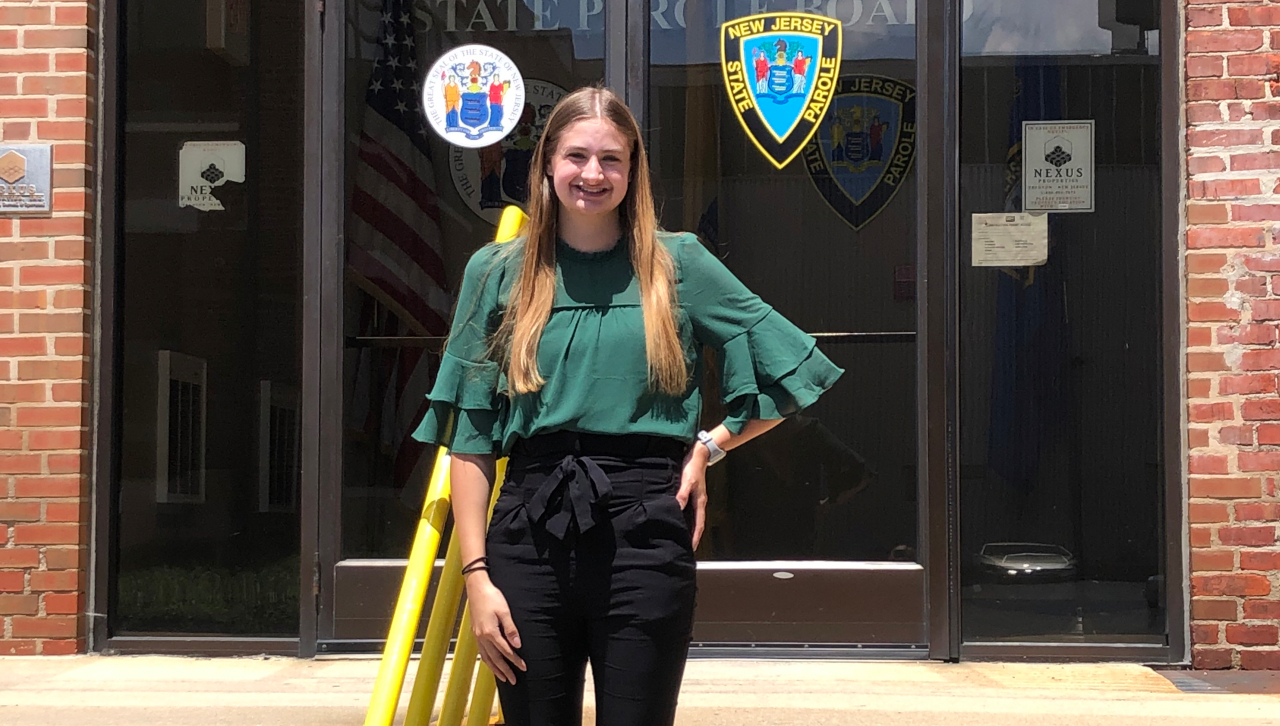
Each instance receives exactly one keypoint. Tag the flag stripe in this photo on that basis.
(391, 286)
(378, 158)
(396, 230)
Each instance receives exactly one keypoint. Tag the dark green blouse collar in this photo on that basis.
(566, 252)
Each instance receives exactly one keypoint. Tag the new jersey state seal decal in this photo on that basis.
(780, 71)
(860, 156)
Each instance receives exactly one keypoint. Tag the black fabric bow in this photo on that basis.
(581, 485)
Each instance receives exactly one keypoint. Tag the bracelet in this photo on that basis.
(475, 564)
(477, 568)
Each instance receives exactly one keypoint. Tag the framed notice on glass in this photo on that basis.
(1057, 166)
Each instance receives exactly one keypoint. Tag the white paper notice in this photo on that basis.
(1057, 166)
(203, 165)
(1010, 240)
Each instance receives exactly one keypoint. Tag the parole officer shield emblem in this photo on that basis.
(780, 72)
(864, 148)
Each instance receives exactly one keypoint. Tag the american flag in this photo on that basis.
(394, 250)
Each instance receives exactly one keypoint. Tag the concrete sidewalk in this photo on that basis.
(170, 691)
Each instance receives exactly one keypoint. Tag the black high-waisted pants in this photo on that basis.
(595, 558)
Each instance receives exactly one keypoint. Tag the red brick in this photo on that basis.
(63, 580)
(24, 107)
(1263, 560)
(1207, 464)
(1266, 262)
(55, 85)
(19, 511)
(71, 15)
(1246, 634)
(1206, 633)
(1199, 387)
(1207, 513)
(1255, 212)
(1247, 536)
(1255, 160)
(53, 323)
(1212, 287)
(1253, 16)
(15, 131)
(47, 486)
(20, 464)
(1199, 336)
(1250, 384)
(11, 440)
(1265, 410)
(56, 626)
(1247, 334)
(55, 440)
(75, 38)
(1213, 609)
(62, 603)
(1201, 362)
(1253, 64)
(1268, 434)
(1224, 137)
(1208, 214)
(1260, 660)
(47, 370)
(1205, 164)
(1257, 511)
(70, 392)
(19, 557)
(64, 558)
(1235, 585)
(1220, 41)
(14, 346)
(1221, 411)
(1260, 360)
(1211, 237)
(1226, 189)
(1218, 89)
(12, 581)
(56, 534)
(1197, 438)
(1262, 609)
(70, 274)
(1213, 560)
(1200, 113)
(65, 512)
(1205, 66)
(19, 604)
(71, 62)
(1202, 487)
(1212, 311)
(38, 416)
(1200, 263)
(1210, 17)
(17, 647)
(68, 463)
(24, 15)
(69, 249)
(32, 62)
(1253, 460)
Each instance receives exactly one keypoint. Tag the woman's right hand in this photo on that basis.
(491, 623)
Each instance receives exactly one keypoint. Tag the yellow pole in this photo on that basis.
(509, 224)
(413, 592)
(444, 611)
(482, 698)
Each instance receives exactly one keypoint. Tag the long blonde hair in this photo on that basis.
(533, 291)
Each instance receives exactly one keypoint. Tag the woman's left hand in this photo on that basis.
(693, 488)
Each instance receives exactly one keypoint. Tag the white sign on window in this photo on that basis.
(1057, 166)
(205, 165)
(1006, 239)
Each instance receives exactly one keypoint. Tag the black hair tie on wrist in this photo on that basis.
(479, 563)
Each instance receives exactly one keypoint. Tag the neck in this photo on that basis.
(592, 233)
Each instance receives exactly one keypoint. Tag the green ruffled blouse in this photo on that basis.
(592, 354)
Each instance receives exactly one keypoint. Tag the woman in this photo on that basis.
(576, 350)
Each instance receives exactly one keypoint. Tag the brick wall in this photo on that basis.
(1233, 288)
(48, 66)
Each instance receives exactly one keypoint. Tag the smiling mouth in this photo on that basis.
(591, 192)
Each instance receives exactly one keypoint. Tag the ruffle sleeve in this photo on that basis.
(772, 370)
(467, 410)
(769, 368)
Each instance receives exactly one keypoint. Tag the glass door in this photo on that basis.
(813, 533)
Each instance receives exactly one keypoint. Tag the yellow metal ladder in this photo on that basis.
(444, 609)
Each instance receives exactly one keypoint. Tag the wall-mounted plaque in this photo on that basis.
(26, 179)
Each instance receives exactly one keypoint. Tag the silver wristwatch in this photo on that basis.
(716, 452)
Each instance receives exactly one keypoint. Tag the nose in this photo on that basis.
(592, 171)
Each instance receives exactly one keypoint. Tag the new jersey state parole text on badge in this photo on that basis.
(860, 156)
(473, 96)
(780, 72)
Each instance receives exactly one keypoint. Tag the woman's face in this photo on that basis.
(591, 167)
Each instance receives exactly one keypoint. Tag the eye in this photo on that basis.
(576, 155)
